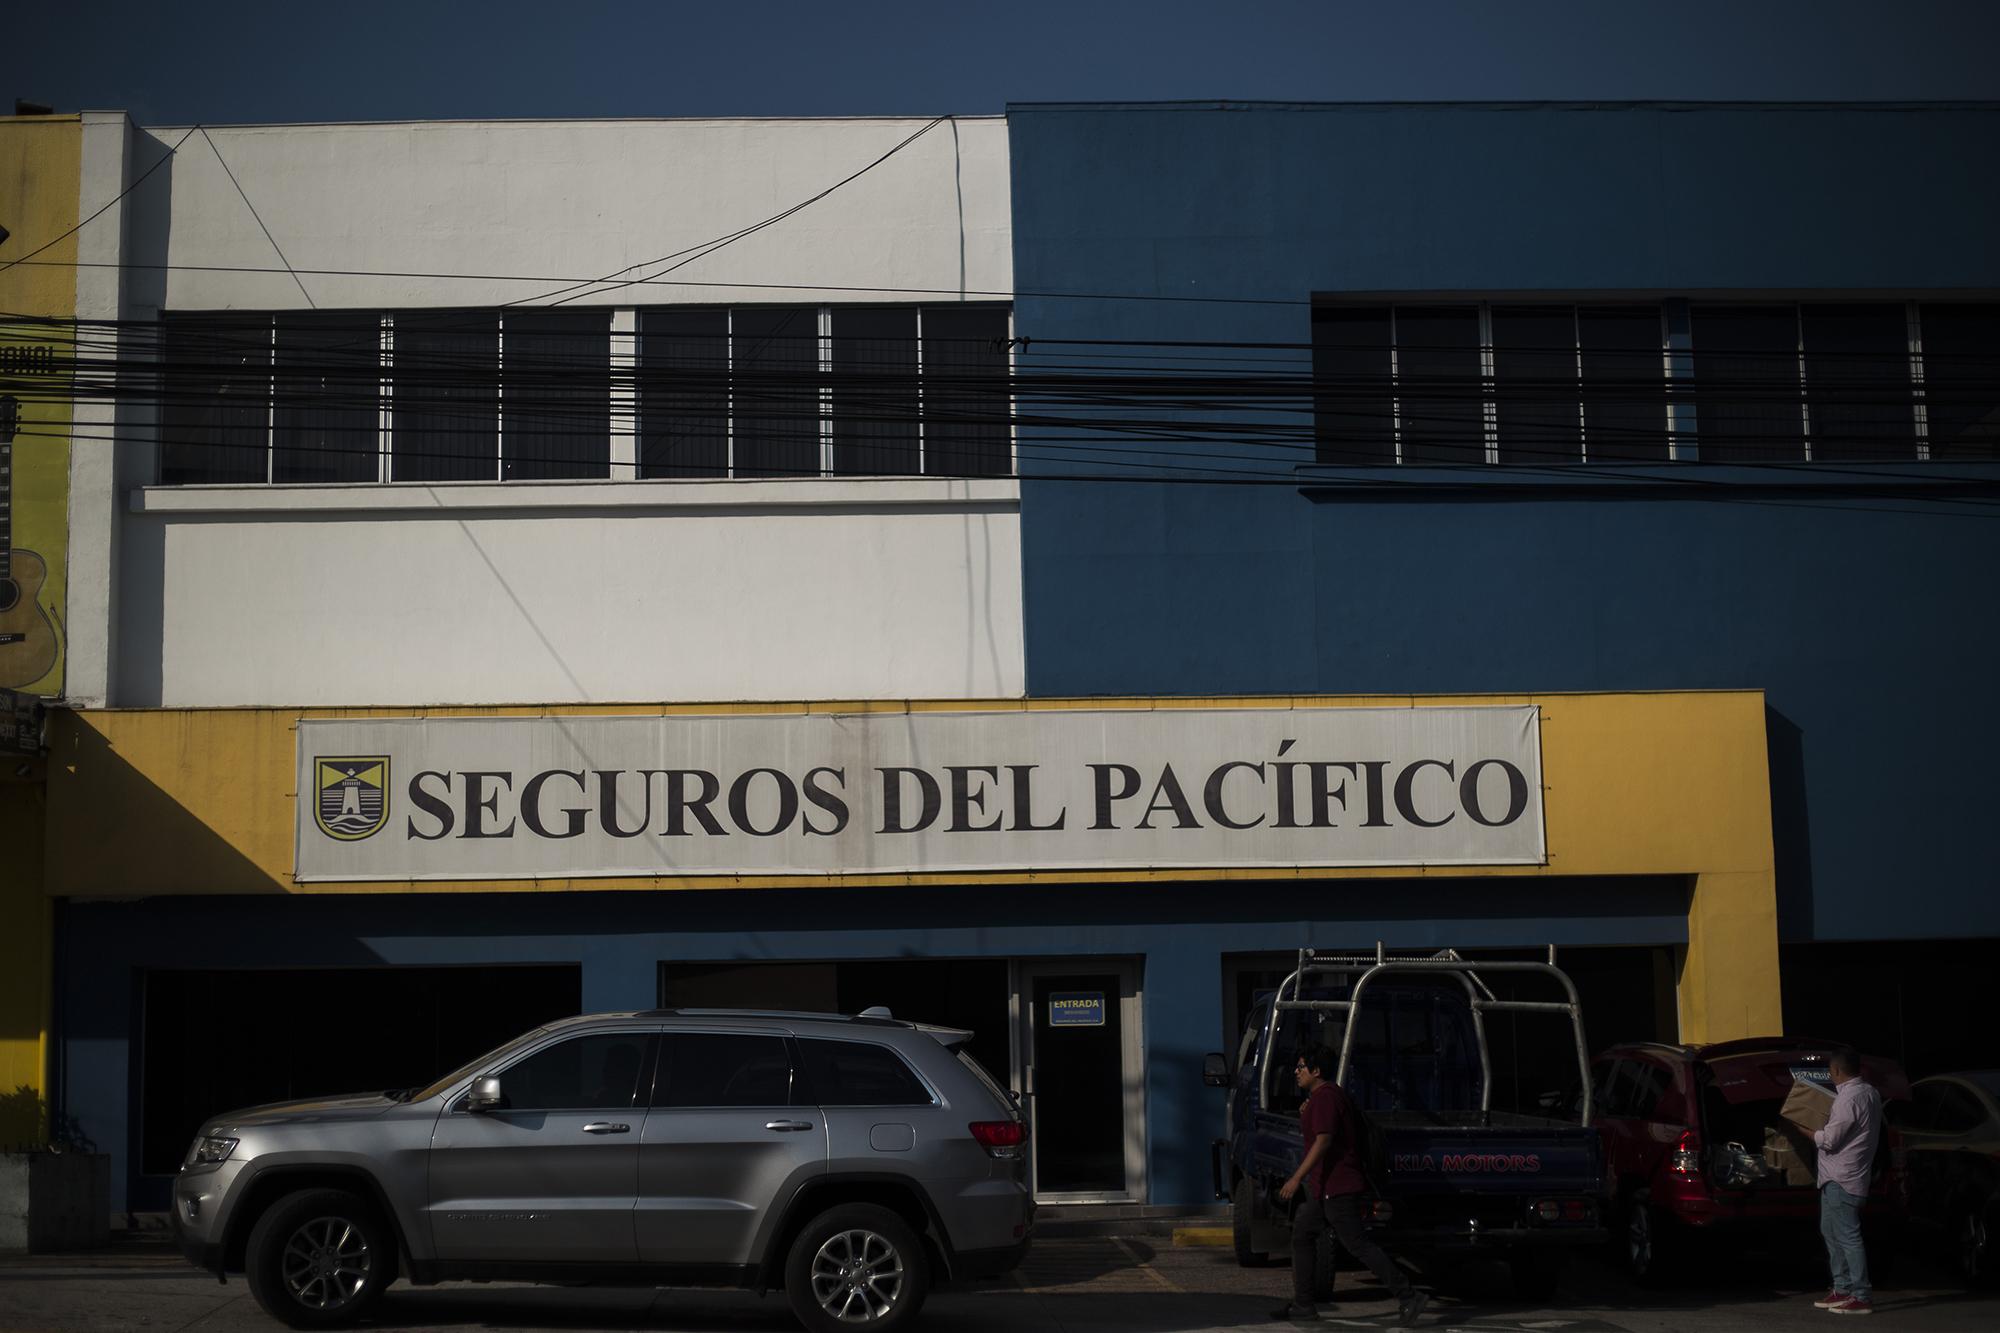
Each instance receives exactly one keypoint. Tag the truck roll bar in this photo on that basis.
(1479, 997)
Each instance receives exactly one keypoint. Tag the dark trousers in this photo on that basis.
(1342, 1215)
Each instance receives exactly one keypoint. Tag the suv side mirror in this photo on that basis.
(1214, 1070)
(485, 1095)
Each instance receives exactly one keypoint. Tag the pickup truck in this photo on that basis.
(1455, 1179)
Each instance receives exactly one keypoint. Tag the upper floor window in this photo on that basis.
(1531, 384)
(540, 394)
(786, 391)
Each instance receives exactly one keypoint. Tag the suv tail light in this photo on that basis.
(1000, 1138)
(1685, 1159)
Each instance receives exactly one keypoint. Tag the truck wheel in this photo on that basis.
(319, 1259)
(853, 1266)
(1325, 1259)
(1536, 1275)
(1241, 1200)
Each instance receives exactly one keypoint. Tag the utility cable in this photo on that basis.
(260, 221)
(140, 180)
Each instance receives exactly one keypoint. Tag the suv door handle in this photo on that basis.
(788, 1126)
(606, 1127)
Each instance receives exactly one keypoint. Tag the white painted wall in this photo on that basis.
(619, 591)
(574, 200)
(578, 592)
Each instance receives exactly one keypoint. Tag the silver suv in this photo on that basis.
(852, 1161)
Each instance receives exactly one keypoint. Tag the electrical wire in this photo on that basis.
(706, 248)
(137, 182)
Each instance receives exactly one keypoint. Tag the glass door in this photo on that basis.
(1083, 1080)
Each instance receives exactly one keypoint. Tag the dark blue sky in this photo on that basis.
(271, 61)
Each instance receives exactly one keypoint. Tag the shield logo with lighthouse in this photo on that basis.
(350, 798)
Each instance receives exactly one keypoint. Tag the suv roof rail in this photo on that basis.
(1745, 1045)
(1674, 1047)
(800, 1015)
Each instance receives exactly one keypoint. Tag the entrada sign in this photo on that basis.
(874, 793)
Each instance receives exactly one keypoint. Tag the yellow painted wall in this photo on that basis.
(41, 161)
(168, 801)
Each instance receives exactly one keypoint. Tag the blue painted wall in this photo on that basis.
(619, 939)
(1866, 617)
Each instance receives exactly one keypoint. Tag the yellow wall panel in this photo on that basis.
(41, 162)
(201, 801)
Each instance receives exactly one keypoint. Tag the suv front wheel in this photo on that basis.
(856, 1266)
(319, 1259)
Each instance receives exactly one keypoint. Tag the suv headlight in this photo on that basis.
(208, 1151)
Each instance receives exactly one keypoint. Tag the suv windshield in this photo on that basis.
(470, 1067)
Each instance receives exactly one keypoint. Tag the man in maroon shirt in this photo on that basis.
(1334, 1184)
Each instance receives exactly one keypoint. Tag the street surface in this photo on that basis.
(1121, 1285)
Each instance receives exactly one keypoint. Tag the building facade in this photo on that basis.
(1066, 567)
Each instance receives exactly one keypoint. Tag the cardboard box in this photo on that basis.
(1807, 1105)
(1790, 1154)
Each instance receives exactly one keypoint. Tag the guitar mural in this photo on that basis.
(28, 644)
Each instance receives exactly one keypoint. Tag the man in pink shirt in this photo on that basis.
(1846, 1160)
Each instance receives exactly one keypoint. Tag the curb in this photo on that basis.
(1215, 1236)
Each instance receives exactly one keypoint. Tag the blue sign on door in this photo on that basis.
(1076, 1009)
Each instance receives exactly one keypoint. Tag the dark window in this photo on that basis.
(1354, 410)
(1624, 379)
(684, 393)
(1858, 381)
(446, 396)
(1962, 380)
(874, 391)
(1647, 1083)
(1439, 388)
(774, 379)
(422, 1022)
(598, 1072)
(216, 416)
(1623, 1099)
(1920, 1112)
(723, 1069)
(1603, 1082)
(965, 395)
(326, 377)
(853, 1073)
(1746, 373)
(556, 394)
(1535, 384)
(1958, 1111)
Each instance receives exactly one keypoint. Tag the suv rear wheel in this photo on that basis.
(1972, 1239)
(1645, 1243)
(856, 1266)
(319, 1259)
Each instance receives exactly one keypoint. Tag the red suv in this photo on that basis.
(1694, 1145)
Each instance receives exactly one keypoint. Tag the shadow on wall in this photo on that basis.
(25, 1127)
(114, 832)
(1791, 826)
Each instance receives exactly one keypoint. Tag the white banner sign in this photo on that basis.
(561, 797)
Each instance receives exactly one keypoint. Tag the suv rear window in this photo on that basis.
(856, 1073)
(1001, 1096)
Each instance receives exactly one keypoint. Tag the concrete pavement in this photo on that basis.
(1082, 1285)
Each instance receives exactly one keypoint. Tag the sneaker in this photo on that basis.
(1412, 1306)
(1852, 1305)
(1831, 1299)
(1298, 1313)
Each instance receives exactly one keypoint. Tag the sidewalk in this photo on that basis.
(1112, 1284)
